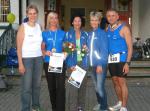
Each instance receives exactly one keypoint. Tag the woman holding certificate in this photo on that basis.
(78, 38)
(52, 43)
(98, 56)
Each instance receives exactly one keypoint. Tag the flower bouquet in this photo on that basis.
(84, 50)
(68, 47)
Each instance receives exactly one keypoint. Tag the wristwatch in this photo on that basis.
(128, 63)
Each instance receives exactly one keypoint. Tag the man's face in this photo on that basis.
(112, 16)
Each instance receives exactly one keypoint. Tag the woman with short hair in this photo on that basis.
(98, 56)
(29, 39)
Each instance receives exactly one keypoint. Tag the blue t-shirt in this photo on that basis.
(53, 39)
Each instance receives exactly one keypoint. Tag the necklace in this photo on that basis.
(54, 41)
(114, 26)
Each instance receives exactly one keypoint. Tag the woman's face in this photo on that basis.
(32, 15)
(77, 23)
(94, 21)
(53, 20)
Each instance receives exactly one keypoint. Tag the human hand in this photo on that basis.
(65, 55)
(73, 68)
(21, 69)
(126, 69)
(99, 70)
(48, 53)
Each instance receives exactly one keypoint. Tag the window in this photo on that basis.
(4, 10)
(52, 5)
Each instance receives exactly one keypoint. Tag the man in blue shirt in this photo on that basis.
(120, 53)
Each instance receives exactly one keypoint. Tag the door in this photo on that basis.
(51, 5)
(124, 7)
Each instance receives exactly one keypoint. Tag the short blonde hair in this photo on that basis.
(96, 14)
(51, 14)
(31, 6)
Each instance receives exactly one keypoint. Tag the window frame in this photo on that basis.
(4, 12)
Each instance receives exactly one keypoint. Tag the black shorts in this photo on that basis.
(116, 69)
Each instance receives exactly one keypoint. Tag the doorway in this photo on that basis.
(51, 5)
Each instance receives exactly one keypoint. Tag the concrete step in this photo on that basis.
(139, 72)
(138, 69)
(138, 64)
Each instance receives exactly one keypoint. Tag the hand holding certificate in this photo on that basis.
(56, 63)
(77, 76)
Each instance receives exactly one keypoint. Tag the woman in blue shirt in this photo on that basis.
(79, 38)
(53, 39)
(98, 56)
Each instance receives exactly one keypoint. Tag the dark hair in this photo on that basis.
(100, 11)
(82, 20)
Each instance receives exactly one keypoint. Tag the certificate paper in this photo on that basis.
(77, 77)
(56, 63)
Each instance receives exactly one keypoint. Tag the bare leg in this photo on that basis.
(117, 87)
(124, 90)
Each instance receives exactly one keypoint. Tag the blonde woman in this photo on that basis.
(53, 39)
(98, 56)
(29, 39)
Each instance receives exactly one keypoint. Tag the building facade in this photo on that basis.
(132, 12)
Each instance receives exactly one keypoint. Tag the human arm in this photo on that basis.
(103, 47)
(126, 33)
(19, 41)
(44, 52)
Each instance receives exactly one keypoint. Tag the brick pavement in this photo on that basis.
(139, 95)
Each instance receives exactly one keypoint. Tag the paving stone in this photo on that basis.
(139, 95)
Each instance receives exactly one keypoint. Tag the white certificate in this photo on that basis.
(77, 77)
(56, 63)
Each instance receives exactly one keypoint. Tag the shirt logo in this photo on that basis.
(30, 35)
(114, 37)
(50, 39)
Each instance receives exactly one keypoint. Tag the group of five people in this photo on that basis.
(112, 48)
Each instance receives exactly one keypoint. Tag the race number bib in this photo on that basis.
(114, 58)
